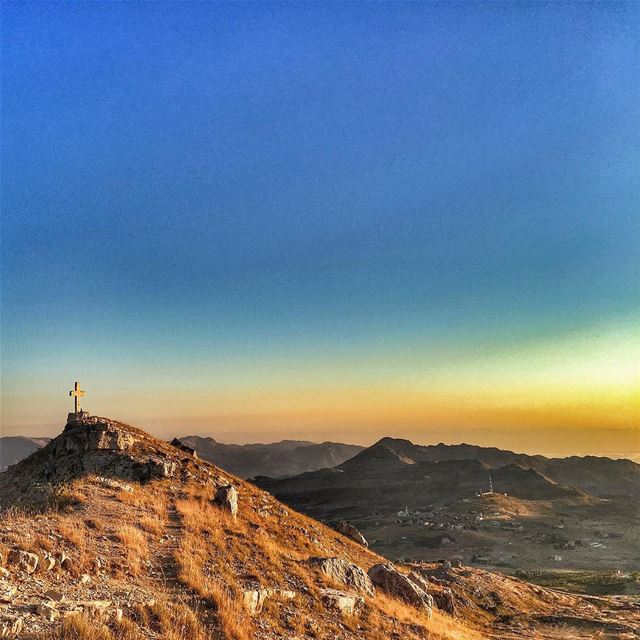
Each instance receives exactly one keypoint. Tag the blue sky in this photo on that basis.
(200, 196)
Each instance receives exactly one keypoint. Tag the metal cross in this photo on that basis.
(77, 393)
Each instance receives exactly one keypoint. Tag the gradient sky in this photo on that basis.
(310, 220)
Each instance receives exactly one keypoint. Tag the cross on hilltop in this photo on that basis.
(78, 416)
(77, 393)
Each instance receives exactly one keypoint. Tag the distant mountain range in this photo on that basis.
(15, 448)
(278, 459)
(436, 502)
(396, 472)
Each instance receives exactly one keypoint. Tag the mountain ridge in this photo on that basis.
(110, 533)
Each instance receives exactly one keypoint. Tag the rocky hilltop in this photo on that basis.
(107, 533)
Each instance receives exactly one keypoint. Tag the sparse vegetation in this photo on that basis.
(135, 546)
(587, 582)
(163, 620)
(199, 580)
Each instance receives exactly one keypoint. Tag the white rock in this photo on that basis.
(346, 603)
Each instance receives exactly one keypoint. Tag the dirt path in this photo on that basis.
(167, 553)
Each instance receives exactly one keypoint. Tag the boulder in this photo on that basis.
(350, 531)
(346, 573)
(23, 560)
(444, 600)
(347, 603)
(227, 498)
(388, 579)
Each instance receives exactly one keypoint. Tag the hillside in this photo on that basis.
(15, 448)
(110, 534)
(599, 476)
(277, 460)
(404, 497)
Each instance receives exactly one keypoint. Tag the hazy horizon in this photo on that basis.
(346, 219)
(612, 443)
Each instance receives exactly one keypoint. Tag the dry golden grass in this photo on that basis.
(162, 620)
(272, 552)
(149, 498)
(135, 546)
(66, 497)
(4, 552)
(152, 524)
(439, 625)
(73, 533)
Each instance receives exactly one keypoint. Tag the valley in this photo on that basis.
(495, 510)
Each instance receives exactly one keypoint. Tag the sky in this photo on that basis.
(339, 221)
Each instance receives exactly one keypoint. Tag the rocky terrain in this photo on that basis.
(277, 460)
(542, 515)
(107, 533)
(15, 448)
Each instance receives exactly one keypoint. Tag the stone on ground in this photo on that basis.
(350, 531)
(388, 579)
(227, 498)
(346, 573)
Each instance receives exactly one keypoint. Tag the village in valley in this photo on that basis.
(491, 529)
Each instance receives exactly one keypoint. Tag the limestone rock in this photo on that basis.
(253, 599)
(55, 595)
(64, 561)
(444, 600)
(227, 498)
(346, 573)
(48, 562)
(7, 591)
(95, 609)
(10, 625)
(346, 603)
(350, 531)
(47, 611)
(395, 583)
(23, 560)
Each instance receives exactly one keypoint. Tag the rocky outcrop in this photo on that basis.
(347, 603)
(408, 588)
(190, 451)
(350, 531)
(227, 498)
(444, 600)
(254, 599)
(346, 573)
(91, 445)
